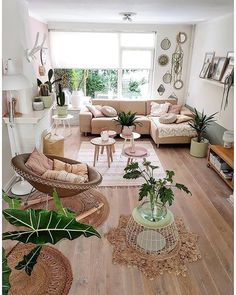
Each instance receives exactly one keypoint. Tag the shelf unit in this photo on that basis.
(227, 155)
(214, 82)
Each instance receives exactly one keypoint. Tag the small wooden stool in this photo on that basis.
(98, 142)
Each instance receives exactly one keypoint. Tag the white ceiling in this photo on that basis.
(148, 11)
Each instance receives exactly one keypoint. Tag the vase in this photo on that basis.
(47, 101)
(62, 111)
(152, 211)
(38, 105)
(76, 98)
(127, 130)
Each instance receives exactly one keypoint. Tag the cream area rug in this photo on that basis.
(113, 176)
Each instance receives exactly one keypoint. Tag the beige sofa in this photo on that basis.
(89, 124)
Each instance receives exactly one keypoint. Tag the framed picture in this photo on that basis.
(204, 70)
(220, 68)
(213, 66)
(230, 56)
(229, 71)
(209, 56)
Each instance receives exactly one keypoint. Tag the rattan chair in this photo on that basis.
(64, 189)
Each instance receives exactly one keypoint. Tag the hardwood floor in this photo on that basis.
(207, 213)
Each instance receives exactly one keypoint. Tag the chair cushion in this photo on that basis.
(64, 176)
(159, 109)
(38, 162)
(175, 109)
(109, 111)
(168, 118)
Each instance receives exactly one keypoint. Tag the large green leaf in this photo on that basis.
(44, 226)
(60, 209)
(6, 271)
(13, 202)
(28, 262)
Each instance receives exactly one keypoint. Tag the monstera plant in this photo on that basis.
(41, 227)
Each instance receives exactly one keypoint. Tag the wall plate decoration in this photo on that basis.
(167, 78)
(165, 44)
(161, 89)
(163, 60)
(181, 37)
(178, 84)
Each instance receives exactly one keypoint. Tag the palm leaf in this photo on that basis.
(44, 226)
(6, 271)
(28, 262)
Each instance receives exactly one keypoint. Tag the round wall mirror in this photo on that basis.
(181, 37)
(165, 44)
(167, 77)
(163, 60)
(178, 84)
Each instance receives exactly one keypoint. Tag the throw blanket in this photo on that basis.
(169, 130)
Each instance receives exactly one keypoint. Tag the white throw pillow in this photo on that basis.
(159, 109)
(95, 110)
(108, 111)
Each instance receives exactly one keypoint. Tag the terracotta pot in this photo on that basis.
(127, 130)
(199, 149)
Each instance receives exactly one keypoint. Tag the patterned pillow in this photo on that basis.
(109, 111)
(168, 118)
(159, 109)
(38, 162)
(175, 109)
(95, 110)
(182, 118)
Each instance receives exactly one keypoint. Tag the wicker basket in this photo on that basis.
(53, 145)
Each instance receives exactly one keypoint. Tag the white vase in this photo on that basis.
(76, 98)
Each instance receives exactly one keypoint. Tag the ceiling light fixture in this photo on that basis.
(127, 16)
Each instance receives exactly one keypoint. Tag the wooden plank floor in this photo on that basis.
(207, 213)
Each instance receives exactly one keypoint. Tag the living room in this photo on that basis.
(142, 96)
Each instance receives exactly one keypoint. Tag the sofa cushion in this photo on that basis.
(95, 110)
(109, 111)
(149, 101)
(182, 118)
(185, 111)
(175, 109)
(38, 162)
(135, 106)
(168, 118)
(79, 169)
(108, 102)
(159, 109)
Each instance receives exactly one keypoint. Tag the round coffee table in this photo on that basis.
(131, 138)
(98, 142)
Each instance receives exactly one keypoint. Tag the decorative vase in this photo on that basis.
(152, 211)
(105, 135)
(127, 130)
(47, 101)
(199, 149)
(62, 110)
(38, 105)
(76, 98)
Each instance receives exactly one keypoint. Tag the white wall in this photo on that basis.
(211, 36)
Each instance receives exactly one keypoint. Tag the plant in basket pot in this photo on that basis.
(158, 192)
(38, 227)
(128, 122)
(200, 123)
(62, 108)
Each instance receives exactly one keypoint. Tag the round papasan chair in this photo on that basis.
(64, 189)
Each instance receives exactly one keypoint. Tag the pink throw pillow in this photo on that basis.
(95, 110)
(175, 109)
(38, 162)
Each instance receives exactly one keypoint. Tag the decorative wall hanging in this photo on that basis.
(228, 83)
(207, 68)
(161, 89)
(177, 65)
(178, 84)
(173, 96)
(30, 54)
(181, 37)
(165, 44)
(163, 60)
(167, 78)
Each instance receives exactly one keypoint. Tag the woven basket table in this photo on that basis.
(149, 237)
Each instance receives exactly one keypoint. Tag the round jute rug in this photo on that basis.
(152, 265)
(52, 275)
(81, 203)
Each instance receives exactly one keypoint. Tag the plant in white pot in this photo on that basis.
(199, 144)
(128, 122)
(158, 192)
(62, 109)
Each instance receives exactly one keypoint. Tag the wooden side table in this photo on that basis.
(98, 142)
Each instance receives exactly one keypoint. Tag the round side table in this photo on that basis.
(62, 120)
(135, 155)
(131, 138)
(98, 142)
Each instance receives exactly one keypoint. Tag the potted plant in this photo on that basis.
(199, 144)
(38, 104)
(158, 192)
(127, 122)
(61, 107)
(38, 227)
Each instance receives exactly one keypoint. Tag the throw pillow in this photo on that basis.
(159, 109)
(175, 109)
(64, 176)
(78, 169)
(168, 118)
(95, 110)
(38, 162)
(109, 111)
(182, 118)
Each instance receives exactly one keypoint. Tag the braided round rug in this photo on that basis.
(52, 275)
(151, 265)
(81, 203)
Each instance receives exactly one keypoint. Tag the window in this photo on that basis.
(116, 64)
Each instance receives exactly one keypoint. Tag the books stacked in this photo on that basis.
(227, 173)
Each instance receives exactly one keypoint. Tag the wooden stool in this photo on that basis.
(98, 142)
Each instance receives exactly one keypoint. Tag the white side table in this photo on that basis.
(131, 138)
(63, 120)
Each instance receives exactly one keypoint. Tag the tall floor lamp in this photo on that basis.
(12, 81)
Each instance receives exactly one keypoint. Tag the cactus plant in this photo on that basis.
(49, 83)
(60, 97)
(44, 91)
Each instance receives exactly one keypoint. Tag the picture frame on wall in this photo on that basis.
(230, 56)
(208, 60)
(229, 71)
(220, 68)
(204, 70)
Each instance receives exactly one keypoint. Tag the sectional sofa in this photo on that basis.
(160, 133)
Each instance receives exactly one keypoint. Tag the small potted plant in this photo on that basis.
(128, 122)
(199, 144)
(158, 192)
(61, 107)
(45, 96)
(38, 104)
